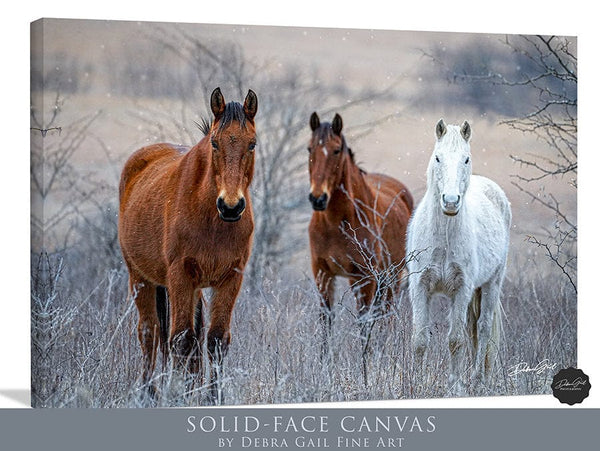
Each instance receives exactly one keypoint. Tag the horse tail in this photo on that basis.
(162, 310)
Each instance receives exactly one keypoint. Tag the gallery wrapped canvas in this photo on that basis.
(248, 215)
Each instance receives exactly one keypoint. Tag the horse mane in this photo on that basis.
(204, 125)
(362, 171)
(325, 131)
(234, 111)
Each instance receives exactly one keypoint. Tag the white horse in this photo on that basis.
(457, 246)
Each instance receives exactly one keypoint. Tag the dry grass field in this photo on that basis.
(112, 87)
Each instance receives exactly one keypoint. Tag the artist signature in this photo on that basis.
(565, 383)
(524, 367)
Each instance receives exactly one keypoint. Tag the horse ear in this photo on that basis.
(217, 103)
(465, 131)
(250, 104)
(440, 129)
(314, 121)
(337, 124)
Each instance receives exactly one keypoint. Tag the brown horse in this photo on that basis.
(359, 222)
(185, 223)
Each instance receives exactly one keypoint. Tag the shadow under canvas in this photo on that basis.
(20, 395)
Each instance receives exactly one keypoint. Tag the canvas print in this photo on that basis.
(240, 215)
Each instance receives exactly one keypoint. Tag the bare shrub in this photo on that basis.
(553, 120)
(57, 188)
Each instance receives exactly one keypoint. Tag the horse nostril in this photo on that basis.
(228, 212)
(451, 199)
(241, 206)
(220, 204)
(318, 203)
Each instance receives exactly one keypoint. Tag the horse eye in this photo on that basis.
(437, 159)
(214, 144)
(309, 149)
(467, 160)
(251, 147)
(337, 151)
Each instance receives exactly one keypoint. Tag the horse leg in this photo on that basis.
(368, 309)
(162, 310)
(143, 293)
(420, 300)
(473, 313)
(219, 332)
(182, 340)
(457, 338)
(366, 303)
(325, 285)
(199, 330)
(488, 329)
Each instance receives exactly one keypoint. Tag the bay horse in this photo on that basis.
(358, 225)
(186, 223)
(459, 234)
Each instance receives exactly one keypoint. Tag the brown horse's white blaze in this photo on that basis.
(338, 189)
(325, 158)
(172, 235)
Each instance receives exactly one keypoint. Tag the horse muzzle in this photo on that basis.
(228, 213)
(318, 203)
(451, 204)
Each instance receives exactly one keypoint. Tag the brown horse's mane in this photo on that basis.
(204, 125)
(362, 171)
(233, 112)
(325, 131)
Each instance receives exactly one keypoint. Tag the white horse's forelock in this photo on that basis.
(452, 139)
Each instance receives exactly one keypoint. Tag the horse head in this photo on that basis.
(233, 139)
(450, 165)
(326, 150)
